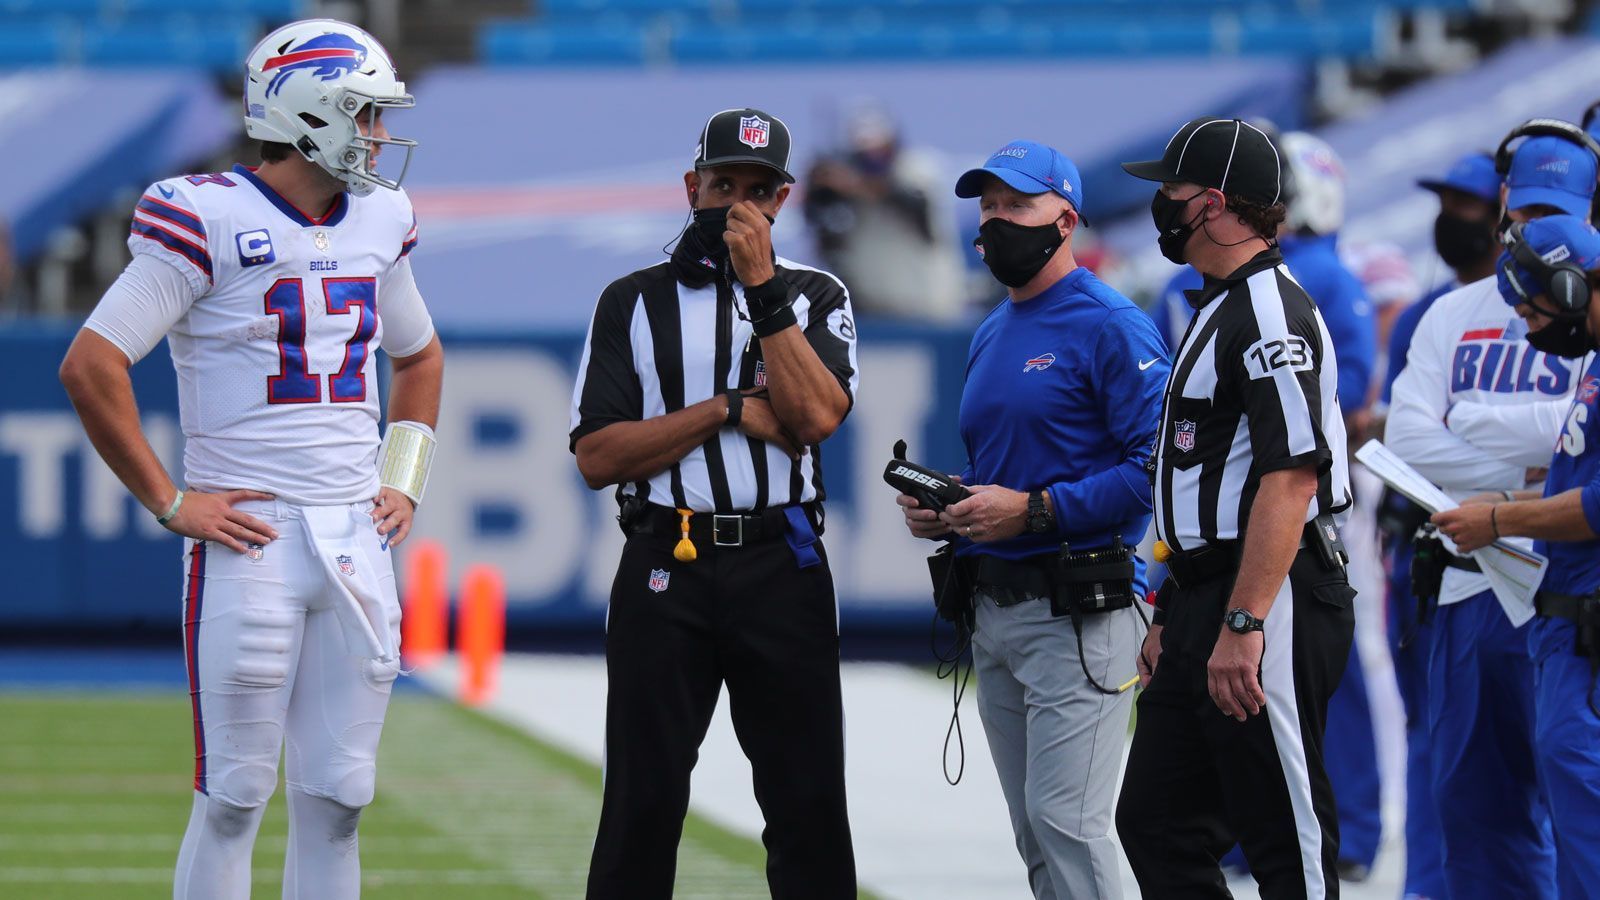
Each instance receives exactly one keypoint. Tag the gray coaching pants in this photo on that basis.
(1056, 741)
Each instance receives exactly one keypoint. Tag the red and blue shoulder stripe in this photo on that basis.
(410, 243)
(174, 228)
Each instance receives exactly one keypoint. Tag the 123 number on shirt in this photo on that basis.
(295, 382)
(1268, 356)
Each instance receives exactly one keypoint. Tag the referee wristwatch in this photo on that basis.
(1041, 520)
(1239, 621)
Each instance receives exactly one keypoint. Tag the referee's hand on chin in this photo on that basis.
(1233, 675)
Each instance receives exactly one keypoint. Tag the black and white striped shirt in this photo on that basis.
(658, 344)
(1254, 389)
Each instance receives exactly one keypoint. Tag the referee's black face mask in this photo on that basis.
(1174, 233)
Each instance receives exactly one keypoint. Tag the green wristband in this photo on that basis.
(172, 510)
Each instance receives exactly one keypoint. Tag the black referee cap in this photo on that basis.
(744, 136)
(1230, 155)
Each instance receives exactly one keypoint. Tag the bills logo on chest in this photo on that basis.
(1486, 359)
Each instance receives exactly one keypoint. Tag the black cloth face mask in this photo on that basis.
(1015, 253)
(701, 252)
(1567, 337)
(1461, 242)
(1174, 232)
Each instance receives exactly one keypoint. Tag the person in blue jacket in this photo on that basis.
(1464, 237)
(1548, 273)
(1314, 189)
(1059, 415)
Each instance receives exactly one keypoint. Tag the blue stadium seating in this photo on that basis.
(34, 43)
(939, 29)
(219, 43)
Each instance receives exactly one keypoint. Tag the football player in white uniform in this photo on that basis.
(274, 286)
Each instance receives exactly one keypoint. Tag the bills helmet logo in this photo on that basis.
(1039, 363)
(1183, 435)
(326, 56)
(659, 579)
(346, 564)
(754, 131)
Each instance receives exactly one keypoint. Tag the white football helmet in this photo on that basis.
(306, 83)
(1315, 182)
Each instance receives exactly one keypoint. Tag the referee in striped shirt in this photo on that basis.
(1255, 620)
(706, 384)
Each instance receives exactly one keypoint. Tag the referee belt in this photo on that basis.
(1189, 568)
(1562, 606)
(723, 529)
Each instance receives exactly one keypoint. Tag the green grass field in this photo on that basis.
(95, 792)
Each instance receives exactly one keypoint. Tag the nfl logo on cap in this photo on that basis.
(1183, 435)
(754, 131)
(659, 579)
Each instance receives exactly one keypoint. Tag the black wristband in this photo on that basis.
(770, 309)
(735, 409)
(775, 323)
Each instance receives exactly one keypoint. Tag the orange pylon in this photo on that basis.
(481, 635)
(425, 622)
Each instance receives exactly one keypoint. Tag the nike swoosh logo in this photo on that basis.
(1146, 365)
(165, 191)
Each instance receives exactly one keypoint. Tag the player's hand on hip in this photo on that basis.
(392, 512)
(749, 239)
(1150, 654)
(759, 421)
(1233, 675)
(992, 513)
(211, 517)
(922, 523)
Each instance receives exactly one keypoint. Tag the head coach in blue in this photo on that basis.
(1550, 274)
(1058, 416)
(1255, 622)
(707, 381)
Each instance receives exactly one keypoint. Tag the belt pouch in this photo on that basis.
(1093, 581)
(952, 587)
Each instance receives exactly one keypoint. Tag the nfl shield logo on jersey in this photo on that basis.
(659, 579)
(1183, 435)
(320, 239)
(754, 131)
(346, 564)
(761, 373)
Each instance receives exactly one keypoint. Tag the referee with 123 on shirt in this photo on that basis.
(706, 383)
(1255, 619)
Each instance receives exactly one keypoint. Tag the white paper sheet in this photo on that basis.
(1514, 573)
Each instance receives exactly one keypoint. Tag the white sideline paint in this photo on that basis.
(915, 836)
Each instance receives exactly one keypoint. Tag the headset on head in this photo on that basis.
(1564, 283)
(1543, 128)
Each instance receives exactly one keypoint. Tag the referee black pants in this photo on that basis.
(751, 618)
(1197, 780)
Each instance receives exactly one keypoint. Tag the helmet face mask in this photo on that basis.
(308, 85)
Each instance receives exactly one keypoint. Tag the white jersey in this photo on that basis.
(274, 344)
(1476, 406)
